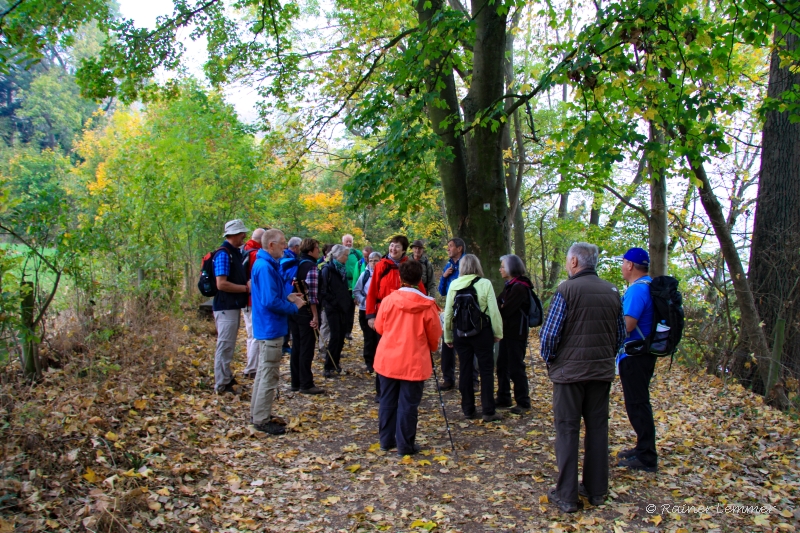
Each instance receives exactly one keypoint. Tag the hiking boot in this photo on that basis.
(624, 454)
(492, 418)
(413, 451)
(228, 388)
(471, 416)
(596, 501)
(329, 374)
(388, 448)
(312, 390)
(294, 389)
(565, 507)
(518, 409)
(277, 420)
(270, 427)
(250, 375)
(634, 463)
(502, 404)
(446, 385)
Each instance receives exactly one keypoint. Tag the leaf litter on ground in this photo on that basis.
(151, 447)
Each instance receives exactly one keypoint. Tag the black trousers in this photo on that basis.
(336, 322)
(571, 402)
(635, 373)
(398, 413)
(303, 344)
(370, 339)
(511, 367)
(448, 363)
(481, 346)
(350, 316)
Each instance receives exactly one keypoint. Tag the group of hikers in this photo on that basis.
(299, 289)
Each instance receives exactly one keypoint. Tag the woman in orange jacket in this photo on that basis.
(408, 322)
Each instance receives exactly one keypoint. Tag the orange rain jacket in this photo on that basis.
(408, 322)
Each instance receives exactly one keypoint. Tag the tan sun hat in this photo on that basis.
(234, 227)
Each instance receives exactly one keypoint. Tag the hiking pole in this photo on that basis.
(441, 402)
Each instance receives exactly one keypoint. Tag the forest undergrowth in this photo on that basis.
(128, 436)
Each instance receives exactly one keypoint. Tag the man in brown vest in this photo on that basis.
(580, 338)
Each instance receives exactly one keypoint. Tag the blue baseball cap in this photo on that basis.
(636, 255)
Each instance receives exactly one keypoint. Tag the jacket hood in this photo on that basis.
(252, 245)
(412, 301)
(462, 281)
(522, 280)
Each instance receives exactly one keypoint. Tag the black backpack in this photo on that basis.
(535, 315)
(207, 284)
(468, 319)
(668, 319)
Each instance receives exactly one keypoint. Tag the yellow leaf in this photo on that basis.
(353, 468)
(90, 476)
(656, 519)
(424, 462)
(6, 526)
(163, 492)
(195, 362)
(369, 508)
(543, 499)
(375, 447)
(185, 328)
(154, 506)
(406, 460)
(786, 513)
(526, 87)
(330, 500)
(51, 523)
(140, 404)
(441, 459)
(112, 436)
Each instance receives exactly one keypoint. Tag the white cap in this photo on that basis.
(234, 227)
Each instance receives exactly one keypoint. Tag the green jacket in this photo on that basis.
(486, 300)
(351, 268)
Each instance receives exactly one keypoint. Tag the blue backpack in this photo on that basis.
(288, 270)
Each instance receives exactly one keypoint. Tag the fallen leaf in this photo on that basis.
(353, 468)
(90, 476)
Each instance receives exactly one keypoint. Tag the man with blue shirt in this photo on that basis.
(455, 251)
(636, 371)
(233, 290)
(272, 305)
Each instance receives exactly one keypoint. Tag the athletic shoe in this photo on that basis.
(565, 507)
(502, 404)
(447, 385)
(594, 500)
(624, 454)
(312, 390)
(388, 448)
(413, 451)
(270, 427)
(329, 374)
(492, 418)
(633, 463)
(471, 416)
(518, 409)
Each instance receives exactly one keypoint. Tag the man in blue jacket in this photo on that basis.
(272, 305)
(455, 251)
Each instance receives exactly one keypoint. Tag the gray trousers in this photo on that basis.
(266, 382)
(571, 402)
(324, 330)
(252, 348)
(227, 328)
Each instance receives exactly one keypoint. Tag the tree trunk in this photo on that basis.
(775, 251)
(474, 180)
(750, 319)
(658, 224)
(30, 350)
(597, 209)
(555, 266)
(519, 234)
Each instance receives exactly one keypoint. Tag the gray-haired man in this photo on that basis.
(580, 338)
